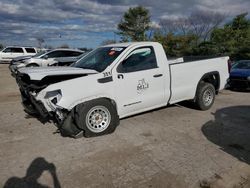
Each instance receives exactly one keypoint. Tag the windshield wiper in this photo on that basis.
(88, 68)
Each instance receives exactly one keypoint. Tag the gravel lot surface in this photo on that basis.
(172, 147)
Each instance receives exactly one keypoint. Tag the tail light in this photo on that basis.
(229, 64)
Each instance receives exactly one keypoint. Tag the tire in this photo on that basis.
(32, 65)
(96, 117)
(205, 96)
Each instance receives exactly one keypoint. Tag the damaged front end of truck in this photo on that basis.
(46, 108)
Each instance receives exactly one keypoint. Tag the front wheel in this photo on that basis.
(205, 96)
(97, 117)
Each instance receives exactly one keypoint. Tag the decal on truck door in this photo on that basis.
(142, 86)
(107, 74)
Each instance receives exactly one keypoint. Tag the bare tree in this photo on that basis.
(1, 46)
(154, 27)
(40, 41)
(203, 22)
(179, 26)
(199, 23)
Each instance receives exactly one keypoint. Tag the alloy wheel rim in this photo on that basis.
(208, 97)
(98, 119)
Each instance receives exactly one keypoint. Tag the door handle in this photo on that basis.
(120, 76)
(157, 75)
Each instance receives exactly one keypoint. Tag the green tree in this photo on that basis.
(134, 24)
(176, 45)
(234, 38)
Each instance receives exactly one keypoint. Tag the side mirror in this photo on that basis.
(46, 57)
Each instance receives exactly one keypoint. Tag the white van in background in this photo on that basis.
(10, 52)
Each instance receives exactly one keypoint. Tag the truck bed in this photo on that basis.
(185, 76)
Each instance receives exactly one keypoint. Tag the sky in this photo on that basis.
(85, 23)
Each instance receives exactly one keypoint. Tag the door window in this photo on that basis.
(7, 50)
(54, 54)
(13, 50)
(30, 50)
(16, 50)
(138, 60)
(71, 53)
(62, 53)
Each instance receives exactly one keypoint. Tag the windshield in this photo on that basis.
(241, 65)
(40, 53)
(99, 59)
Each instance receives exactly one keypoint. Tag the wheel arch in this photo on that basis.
(212, 78)
(33, 63)
(111, 100)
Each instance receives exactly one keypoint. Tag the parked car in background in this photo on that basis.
(240, 75)
(67, 61)
(19, 61)
(46, 59)
(10, 52)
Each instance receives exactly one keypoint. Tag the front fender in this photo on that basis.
(80, 90)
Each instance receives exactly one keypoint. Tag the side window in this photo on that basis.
(71, 54)
(138, 60)
(54, 54)
(7, 50)
(16, 50)
(30, 50)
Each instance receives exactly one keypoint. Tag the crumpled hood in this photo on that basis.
(38, 73)
(240, 72)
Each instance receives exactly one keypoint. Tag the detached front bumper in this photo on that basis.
(32, 106)
(44, 110)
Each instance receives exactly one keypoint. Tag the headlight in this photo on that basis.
(248, 78)
(54, 96)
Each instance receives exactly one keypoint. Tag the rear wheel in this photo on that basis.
(97, 117)
(205, 96)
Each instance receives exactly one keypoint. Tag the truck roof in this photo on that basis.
(126, 44)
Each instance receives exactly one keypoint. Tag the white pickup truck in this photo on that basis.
(116, 81)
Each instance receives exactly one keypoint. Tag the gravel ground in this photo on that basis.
(173, 147)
